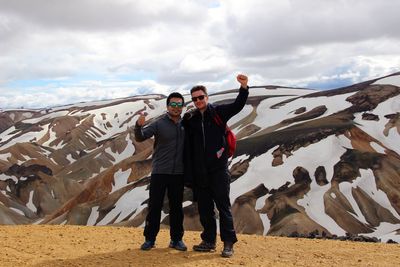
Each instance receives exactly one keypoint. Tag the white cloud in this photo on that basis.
(101, 15)
(271, 27)
(61, 50)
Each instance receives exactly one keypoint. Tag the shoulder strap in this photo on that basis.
(218, 120)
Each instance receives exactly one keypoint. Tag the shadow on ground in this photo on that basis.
(135, 257)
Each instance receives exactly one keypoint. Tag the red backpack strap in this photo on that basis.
(219, 121)
(229, 135)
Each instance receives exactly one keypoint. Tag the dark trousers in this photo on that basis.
(217, 192)
(174, 185)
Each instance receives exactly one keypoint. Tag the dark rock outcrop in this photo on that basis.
(320, 176)
(300, 110)
(247, 219)
(370, 117)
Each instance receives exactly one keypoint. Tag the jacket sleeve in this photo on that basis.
(227, 111)
(143, 133)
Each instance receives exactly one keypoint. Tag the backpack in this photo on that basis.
(230, 137)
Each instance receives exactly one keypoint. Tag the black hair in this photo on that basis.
(199, 88)
(175, 95)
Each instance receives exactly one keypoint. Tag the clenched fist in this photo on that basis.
(141, 120)
(242, 79)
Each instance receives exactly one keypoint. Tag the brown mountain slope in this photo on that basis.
(306, 161)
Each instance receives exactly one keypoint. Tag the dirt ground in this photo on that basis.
(37, 245)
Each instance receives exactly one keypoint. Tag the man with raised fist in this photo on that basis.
(207, 153)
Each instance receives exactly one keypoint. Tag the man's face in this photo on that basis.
(200, 99)
(175, 106)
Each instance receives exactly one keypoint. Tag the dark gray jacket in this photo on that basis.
(168, 144)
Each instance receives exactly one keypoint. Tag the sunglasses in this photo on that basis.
(200, 97)
(175, 104)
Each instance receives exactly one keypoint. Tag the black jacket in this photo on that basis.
(204, 140)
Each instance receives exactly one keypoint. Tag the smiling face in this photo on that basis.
(175, 106)
(200, 99)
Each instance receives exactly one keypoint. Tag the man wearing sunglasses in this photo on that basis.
(167, 171)
(206, 163)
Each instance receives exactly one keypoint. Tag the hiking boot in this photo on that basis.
(178, 245)
(228, 250)
(204, 246)
(147, 245)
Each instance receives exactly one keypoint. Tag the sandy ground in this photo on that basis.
(113, 246)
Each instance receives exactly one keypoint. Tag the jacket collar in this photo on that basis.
(167, 116)
(210, 108)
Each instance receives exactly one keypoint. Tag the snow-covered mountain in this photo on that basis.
(306, 160)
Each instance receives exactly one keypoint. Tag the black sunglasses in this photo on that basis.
(175, 104)
(200, 97)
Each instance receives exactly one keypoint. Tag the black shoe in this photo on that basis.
(204, 246)
(228, 250)
(147, 245)
(178, 245)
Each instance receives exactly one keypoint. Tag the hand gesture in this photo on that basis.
(189, 113)
(142, 119)
(242, 79)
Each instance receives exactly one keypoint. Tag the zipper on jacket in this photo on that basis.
(202, 129)
(176, 146)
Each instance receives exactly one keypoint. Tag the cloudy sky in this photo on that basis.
(55, 52)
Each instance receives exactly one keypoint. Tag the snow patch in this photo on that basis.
(378, 148)
(393, 80)
(128, 202)
(376, 128)
(5, 156)
(128, 151)
(269, 116)
(70, 158)
(120, 179)
(238, 159)
(261, 202)
(266, 222)
(4, 177)
(386, 231)
(94, 214)
(38, 221)
(368, 184)
(30, 204)
(346, 188)
(27, 115)
(17, 211)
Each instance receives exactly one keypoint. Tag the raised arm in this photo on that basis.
(227, 111)
(142, 133)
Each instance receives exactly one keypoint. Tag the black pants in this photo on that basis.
(174, 185)
(217, 192)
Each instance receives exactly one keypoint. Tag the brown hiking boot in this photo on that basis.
(204, 246)
(228, 250)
